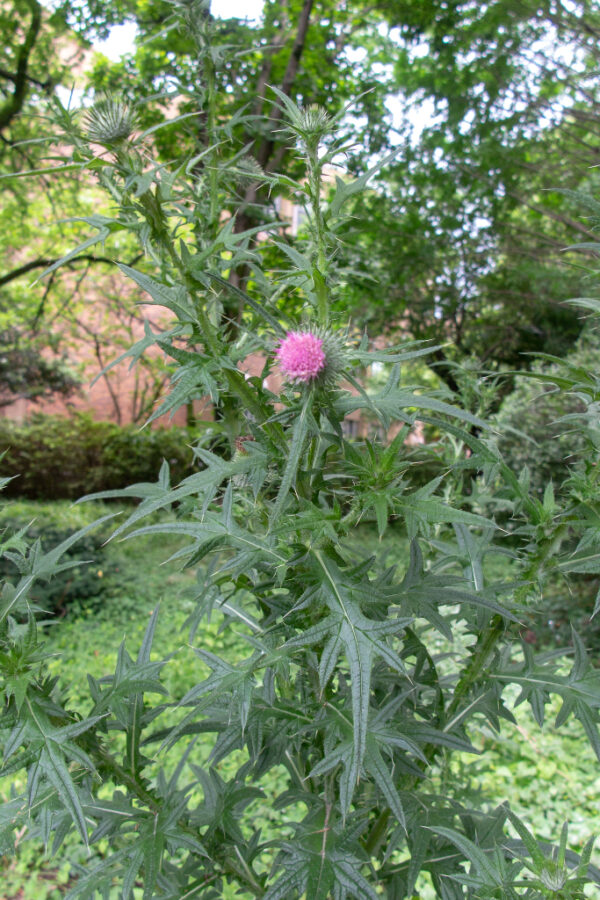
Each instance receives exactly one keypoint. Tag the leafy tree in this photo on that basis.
(467, 231)
(29, 69)
(21, 24)
(45, 327)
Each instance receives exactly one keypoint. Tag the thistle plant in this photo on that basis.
(348, 697)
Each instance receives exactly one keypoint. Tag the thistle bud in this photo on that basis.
(248, 171)
(109, 121)
(311, 124)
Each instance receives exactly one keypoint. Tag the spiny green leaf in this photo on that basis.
(473, 853)
(55, 770)
(299, 434)
(375, 764)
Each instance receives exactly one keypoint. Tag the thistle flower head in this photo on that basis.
(301, 357)
(315, 122)
(312, 355)
(195, 16)
(109, 121)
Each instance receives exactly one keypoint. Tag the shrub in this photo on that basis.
(54, 457)
(532, 432)
(540, 434)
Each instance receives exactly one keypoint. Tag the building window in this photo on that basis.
(299, 218)
(350, 428)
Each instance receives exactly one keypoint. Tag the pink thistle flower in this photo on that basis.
(300, 356)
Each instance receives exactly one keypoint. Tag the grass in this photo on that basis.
(548, 776)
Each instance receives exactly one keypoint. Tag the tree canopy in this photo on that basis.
(495, 122)
(472, 221)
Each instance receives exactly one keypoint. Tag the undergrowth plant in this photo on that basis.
(351, 690)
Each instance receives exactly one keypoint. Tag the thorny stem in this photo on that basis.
(122, 776)
(320, 272)
(329, 797)
(250, 879)
(213, 174)
(235, 380)
(484, 647)
(238, 386)
(377, 832)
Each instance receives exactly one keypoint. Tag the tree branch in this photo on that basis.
(43, 263)
(266, 148)
(11, 76)
(443, 369)
(14, 104)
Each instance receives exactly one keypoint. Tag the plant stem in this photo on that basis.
(320, 270)
(122, 776)
(485, 644)
(377, 833)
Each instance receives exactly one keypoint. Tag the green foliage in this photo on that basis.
(52, 457)
(46, 331)
(105, 579)
(469, 223)
(341, 689)
(531, 423)
(24, 372)
(30, 67)
(541, 436)
(463, 242)
(547, 776)
(81, 587)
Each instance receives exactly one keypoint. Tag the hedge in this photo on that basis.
(53, 457)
